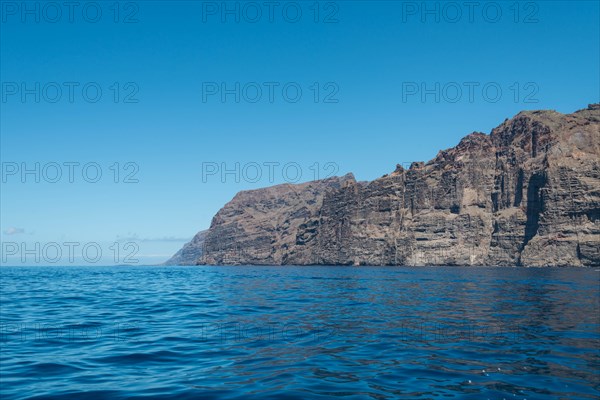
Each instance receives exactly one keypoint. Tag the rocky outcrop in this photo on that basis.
(261, 226)
(527, 194)
(190, 253)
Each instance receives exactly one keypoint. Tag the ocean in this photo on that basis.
(310, 332)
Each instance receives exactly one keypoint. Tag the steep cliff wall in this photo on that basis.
(528, 194)
(261, 226)
(190, 253)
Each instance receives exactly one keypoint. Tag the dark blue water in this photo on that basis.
(299, 332)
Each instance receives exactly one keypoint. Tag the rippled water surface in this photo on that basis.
(299, 332)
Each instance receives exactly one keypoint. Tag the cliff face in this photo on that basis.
(261, 226)
(190, 253)
(527, 194)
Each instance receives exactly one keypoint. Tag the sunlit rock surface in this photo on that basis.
(528, 194)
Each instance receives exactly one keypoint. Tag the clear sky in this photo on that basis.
(162, 96)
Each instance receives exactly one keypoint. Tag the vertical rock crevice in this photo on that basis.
(535, 205)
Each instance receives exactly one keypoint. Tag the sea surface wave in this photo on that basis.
(299, 332)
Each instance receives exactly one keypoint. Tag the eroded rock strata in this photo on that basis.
(527, 194)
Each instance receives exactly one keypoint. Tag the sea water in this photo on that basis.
(307, 332)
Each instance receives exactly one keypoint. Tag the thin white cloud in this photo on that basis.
(14, 231)
(136, 238)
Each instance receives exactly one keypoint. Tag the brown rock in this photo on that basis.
(528, 194)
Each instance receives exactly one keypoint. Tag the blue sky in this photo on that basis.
(161, 118)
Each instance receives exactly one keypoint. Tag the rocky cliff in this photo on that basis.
(527, 194)
(190, 253)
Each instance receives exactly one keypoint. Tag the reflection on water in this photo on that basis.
(306, 332)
